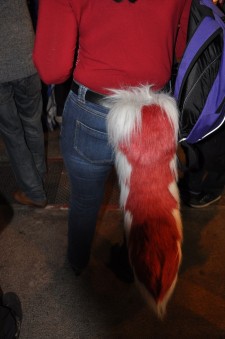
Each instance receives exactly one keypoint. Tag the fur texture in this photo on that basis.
(142, 127)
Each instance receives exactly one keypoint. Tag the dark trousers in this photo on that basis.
(22, 132)
(209, 177)
(61, 93)
(202, 181)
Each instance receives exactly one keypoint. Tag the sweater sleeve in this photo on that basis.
(182, 32)
(55, 42)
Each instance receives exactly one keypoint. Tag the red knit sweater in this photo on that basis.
(120, 44)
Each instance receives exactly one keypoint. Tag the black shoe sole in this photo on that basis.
(206, 204)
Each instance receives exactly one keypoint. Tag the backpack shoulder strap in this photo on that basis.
(205, 31)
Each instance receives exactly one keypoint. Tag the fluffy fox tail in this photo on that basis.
(142, 127)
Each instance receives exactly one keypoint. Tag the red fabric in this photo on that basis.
(119, 43)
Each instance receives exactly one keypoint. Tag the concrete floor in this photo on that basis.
(58, 305)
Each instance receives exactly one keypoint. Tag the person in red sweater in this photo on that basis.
(120, 43)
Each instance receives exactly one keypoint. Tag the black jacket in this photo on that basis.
(201, 76)
(208, 153)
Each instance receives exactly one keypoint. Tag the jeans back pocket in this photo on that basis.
(92, 144)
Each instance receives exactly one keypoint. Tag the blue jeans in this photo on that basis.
(22, 132)
(88, 159)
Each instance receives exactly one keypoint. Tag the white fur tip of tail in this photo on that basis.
(159, 308)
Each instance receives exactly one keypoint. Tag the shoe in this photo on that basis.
(23, 199)
(12, 302)
(202, 200)
(119, 263)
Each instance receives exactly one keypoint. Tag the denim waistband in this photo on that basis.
(95, 97)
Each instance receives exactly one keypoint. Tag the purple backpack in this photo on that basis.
(200, 82)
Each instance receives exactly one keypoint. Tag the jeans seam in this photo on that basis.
(110, 161)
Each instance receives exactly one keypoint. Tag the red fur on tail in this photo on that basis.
(146, 167)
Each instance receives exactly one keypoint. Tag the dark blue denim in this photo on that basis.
(88, 159)
(22, 132)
